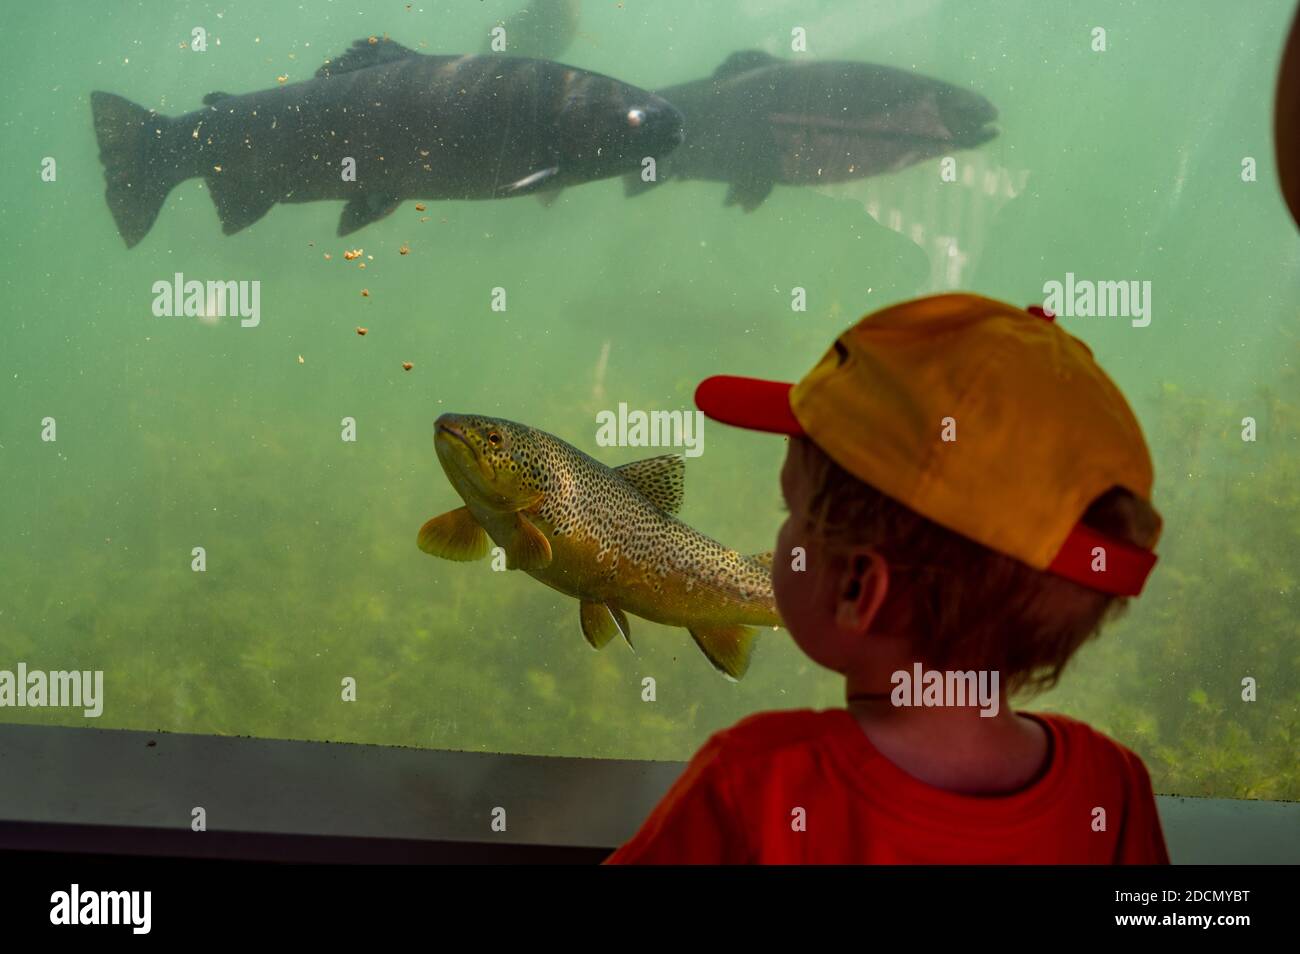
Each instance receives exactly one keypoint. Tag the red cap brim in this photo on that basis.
(749, 402)
(1122, 570)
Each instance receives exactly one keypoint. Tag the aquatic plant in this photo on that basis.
(1222, 607)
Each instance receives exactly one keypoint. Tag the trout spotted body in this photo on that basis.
(606, 536)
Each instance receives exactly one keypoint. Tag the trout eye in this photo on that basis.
(635, 117)
(494, 438)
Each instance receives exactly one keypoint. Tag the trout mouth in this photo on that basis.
(457, 452)
(975, 136)
(452, 432)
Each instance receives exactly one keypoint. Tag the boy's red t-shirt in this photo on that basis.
(740, 800)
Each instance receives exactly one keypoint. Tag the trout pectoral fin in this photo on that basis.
(748, 193)
(529, 549)
(623, 627)
(601, 623)
(728, 647)
(534, 182)
(633, 184)
(364, 209)
(454, 535)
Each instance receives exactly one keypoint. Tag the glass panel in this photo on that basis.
(178, 433)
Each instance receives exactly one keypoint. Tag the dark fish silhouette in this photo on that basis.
(760, 121)
(544, 29)
(418, 127)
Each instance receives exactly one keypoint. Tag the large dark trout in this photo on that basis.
(759, 121)
(417, 127)
(606, 536)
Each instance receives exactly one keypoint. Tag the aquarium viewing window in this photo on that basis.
(295, 381)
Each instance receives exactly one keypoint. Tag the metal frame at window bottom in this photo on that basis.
(118, 792)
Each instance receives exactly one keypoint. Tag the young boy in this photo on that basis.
(968, 502)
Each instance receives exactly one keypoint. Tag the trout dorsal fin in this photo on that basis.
(661, 480)
(744, 61)
(372, 51)
(213, 98)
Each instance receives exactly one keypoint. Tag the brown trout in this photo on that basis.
(606, 536)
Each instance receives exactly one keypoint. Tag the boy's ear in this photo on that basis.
(862, 588)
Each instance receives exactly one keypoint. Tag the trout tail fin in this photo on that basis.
(137, 170)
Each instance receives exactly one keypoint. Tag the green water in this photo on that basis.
(174, 433)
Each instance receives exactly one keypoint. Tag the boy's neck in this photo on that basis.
(955, 748)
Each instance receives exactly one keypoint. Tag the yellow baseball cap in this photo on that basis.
(986, 418)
